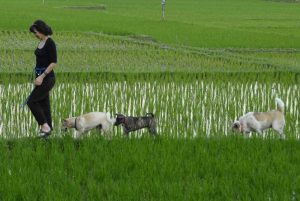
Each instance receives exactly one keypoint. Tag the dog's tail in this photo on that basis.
(280, 105)
(150, 114)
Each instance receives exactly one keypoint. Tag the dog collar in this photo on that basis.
(241, 127)
(75, 126)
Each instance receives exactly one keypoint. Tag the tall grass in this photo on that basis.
(146, 169)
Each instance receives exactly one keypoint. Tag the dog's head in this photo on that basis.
(236, 126)
(66, 123)
(120, 119)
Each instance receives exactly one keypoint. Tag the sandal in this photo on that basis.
(45, 134)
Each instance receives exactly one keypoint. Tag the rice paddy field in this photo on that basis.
(205, 65)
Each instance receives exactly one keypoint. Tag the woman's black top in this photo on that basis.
(46, 55)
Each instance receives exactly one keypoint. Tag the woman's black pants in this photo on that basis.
(39, 101)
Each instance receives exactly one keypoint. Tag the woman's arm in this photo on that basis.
(48, 69)
(39, 80)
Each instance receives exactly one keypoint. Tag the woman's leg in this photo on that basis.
(36, 100)
(45, 104)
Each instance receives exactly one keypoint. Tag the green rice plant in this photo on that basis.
(209, 23)
(197, 72)
(92, 52)
(186, 105)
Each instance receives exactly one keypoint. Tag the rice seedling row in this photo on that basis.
(185, 105)
(91, 52)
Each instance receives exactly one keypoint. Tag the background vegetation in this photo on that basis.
(206, 64)
(205, 23)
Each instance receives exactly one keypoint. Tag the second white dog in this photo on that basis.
(259, 121)
(86, 122)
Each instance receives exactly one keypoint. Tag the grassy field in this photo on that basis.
(147, 169)
(206, 23)
(206, 64)
(91, 52)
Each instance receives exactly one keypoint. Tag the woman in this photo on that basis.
(46, 58)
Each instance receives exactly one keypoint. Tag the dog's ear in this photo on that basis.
(150, 114)
(236, 125)
(66, 123)
(119, 115)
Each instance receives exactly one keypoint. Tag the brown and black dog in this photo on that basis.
(130, 123)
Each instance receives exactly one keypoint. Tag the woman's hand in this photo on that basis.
(39, 80)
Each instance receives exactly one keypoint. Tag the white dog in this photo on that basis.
(86, 122)
(259, 121)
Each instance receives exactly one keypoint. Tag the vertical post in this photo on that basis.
(163, 8)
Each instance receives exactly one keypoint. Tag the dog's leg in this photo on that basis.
(152, 130)
(258, 131)
(99, 128)
(78, 133)
(107, 131)
(126, 131)
(152, 127)
(278, 127)
(110, 134)
(281, 134)
(247, 134)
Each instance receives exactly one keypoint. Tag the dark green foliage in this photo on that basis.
(230, 168)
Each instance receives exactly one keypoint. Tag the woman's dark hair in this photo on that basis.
(41, 27)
